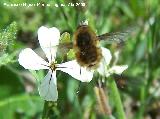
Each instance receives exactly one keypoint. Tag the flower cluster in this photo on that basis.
(49, 39)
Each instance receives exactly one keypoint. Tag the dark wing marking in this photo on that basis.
(118, 37)
(64, 47)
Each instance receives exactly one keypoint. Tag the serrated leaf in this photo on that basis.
(7, 36)
(7, 58)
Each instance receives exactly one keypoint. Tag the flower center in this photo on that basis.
(53, 66)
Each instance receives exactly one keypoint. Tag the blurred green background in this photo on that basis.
(139, 85)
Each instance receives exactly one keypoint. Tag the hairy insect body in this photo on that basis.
(87, 52)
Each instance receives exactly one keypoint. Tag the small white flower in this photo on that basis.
(49, 37)
(104, 68)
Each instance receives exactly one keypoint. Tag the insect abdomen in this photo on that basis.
(89, 57)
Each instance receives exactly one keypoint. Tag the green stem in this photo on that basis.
(116, 97)
(142, 101)
(144, 92)
(49, 110)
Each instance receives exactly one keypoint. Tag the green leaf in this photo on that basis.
(10, 83)
(21, 106)
(7, 58)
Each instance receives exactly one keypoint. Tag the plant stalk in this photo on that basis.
(116, 98)
(49, 110)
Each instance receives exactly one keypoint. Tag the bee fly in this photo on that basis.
(86, 45)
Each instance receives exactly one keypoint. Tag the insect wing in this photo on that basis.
(62, 48)
(65, 47)
(118, 37)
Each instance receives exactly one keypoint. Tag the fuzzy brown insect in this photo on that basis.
(85, 45)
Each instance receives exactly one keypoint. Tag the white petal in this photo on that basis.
(101, 69)
(30, 60)
(73, 68)
(107, 55)
(48, 38)
(48, 87)
(118, 69)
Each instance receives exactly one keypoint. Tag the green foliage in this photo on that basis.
(7, 36)
(7, 58)
(65, 37)
(21, 106)
(7, 41)
(8, 82)
(140, 52)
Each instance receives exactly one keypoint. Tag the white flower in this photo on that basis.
(104, 68)
(49, 37)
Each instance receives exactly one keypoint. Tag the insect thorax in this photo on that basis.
(87, 52)
(84, 40)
